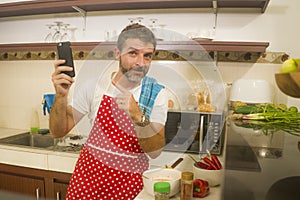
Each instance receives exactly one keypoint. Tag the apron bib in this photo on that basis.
(111, 162)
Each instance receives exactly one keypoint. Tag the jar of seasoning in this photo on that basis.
(162, 190)
(187, 179)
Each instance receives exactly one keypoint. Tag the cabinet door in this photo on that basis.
(28, 186)
(60, 190)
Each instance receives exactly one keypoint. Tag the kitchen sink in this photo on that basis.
(29, 140)
(44, 141)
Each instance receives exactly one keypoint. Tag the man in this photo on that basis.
(125, 131)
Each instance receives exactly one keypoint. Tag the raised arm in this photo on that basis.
(62, 116)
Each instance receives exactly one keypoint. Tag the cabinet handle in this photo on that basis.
(201, 132)
(57, 195)
(37, 192)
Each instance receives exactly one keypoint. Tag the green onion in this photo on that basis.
(270, 117)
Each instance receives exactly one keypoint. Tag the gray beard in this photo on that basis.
(133, 77)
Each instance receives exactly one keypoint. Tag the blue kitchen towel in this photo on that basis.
(48, 101)
(150, 90)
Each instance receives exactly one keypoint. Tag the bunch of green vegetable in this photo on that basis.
(268, 117)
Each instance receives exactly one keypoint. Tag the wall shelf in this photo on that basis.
(39, 7)
(223, 50)
(165, 45)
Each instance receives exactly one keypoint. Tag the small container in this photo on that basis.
(171, 176)
(187, 179)
(34, 121)
(162, 190)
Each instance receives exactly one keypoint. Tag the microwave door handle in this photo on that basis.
(201, 133)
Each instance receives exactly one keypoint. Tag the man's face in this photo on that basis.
(135, 59)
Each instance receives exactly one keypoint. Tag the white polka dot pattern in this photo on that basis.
(111, 162)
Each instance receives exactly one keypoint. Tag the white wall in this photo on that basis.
(22, 86)
(278, 25)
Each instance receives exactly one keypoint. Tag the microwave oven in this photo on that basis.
(195, 132)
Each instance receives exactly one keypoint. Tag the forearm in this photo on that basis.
(151, 138)
(151, 135)
(59, 118)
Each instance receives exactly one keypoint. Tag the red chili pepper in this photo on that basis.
(211, 163)
(202, 165)
(215, 159)
(210, 168)
(201, 188)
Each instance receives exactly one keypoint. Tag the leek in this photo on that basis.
(268, 117)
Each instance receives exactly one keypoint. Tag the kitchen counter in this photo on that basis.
(65, 161)
(261, 166)
(185, 165)
(35, 157)
(256, 164)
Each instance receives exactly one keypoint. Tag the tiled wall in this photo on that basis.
(23, 84)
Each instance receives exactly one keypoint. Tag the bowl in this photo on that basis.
(173, 176)
(213, 177)
(251, 91)
(289, 83)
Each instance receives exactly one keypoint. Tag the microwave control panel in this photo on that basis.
(214, 136)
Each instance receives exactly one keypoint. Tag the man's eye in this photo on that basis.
(148, 56)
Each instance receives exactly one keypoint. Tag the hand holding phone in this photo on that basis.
(64, 51)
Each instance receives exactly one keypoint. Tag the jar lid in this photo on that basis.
(162, 187)
(187, 176)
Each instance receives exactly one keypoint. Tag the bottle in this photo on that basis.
(34, 121)
(187, 179)
(162, 190)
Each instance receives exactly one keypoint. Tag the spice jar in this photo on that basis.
(186, 186)
(162, 190)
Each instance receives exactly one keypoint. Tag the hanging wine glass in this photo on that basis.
(131, 20)
(106, 35)
(153, 24)
(49, 36)
(153, 27)
(162, 26)
(65, 37)
(72, 33)
(161, 32)
(57, 35)
(139, 19)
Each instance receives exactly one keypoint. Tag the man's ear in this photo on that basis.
(117, 53)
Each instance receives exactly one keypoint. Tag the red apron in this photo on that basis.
(111, 162)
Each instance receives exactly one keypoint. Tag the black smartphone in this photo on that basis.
(64, 51)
